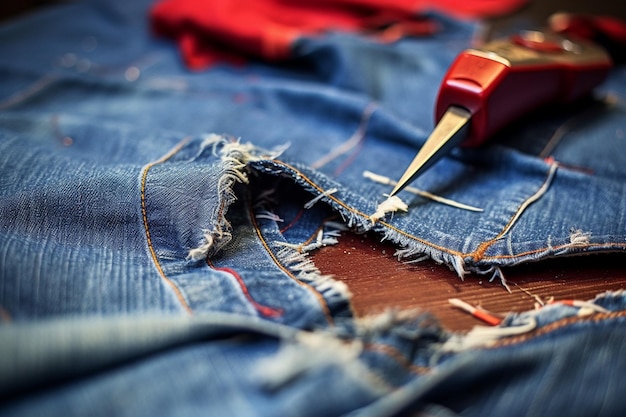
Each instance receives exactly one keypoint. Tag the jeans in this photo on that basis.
(155, 225)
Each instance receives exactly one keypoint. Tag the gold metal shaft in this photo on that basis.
(451, 131)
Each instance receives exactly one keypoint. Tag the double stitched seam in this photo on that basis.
(320, 298)
(596, 318)
(433, 245)
(144, 213)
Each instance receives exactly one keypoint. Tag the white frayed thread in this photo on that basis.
(319, 242)
(454, 262)
(478, 312)
(381, 323)
(586, 308)
(304, 270)
(326, 236)
(235, 156)
(497, 273)
(459, 266)
(312, 202)
(390, 205)
(578, 237)
(539, 302)
(483, 336)
(388, 181)
(209, 239)
(268, 215)
(313, 352)
(418, 259)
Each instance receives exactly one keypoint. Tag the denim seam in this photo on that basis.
(144, 214)
(482, 248)
(552, 248)
(557, 325)
(363, 215)
(320, 298)
(461, 255)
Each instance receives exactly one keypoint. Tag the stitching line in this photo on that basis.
(354, 141)
(359, 213)
(432, 245)
(556, 326)
(144, 213)
(320, 298)
(263, 309)
(482, 248)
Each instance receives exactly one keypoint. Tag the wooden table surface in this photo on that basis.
(379, 281)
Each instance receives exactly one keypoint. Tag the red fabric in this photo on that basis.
(211, 30)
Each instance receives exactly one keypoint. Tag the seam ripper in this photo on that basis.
(487, 88)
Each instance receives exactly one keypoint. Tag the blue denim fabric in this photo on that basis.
(153, 238)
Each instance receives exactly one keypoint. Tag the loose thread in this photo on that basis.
(388, 181)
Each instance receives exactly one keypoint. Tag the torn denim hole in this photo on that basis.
(288, 246)
(235, 156)
(357, 221)
(268, 205)
(244, 159)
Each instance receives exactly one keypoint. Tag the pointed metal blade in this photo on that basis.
(451, 131)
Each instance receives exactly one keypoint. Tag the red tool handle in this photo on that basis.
(506, 79)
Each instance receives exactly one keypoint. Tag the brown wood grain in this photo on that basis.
(379, 281)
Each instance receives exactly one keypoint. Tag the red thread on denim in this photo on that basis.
(264, 310)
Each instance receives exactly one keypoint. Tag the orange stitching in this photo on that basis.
(558, 325)
(589, 245)
(432, 245)
(482, 248)
(320, 298)
(359, 213)
(144, 213)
